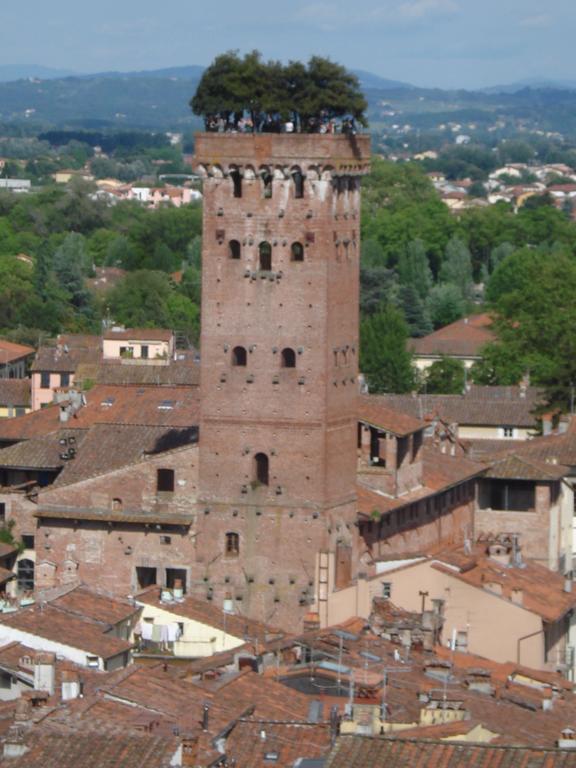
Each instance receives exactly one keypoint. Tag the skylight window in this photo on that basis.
(166, 405)
(108, 401)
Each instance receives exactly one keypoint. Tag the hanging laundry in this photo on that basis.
(147, 628)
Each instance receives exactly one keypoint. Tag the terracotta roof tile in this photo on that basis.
(261, 744)
(362, 751)
(50, 623)
(540, 590)
(373, 410)
(517, 467)
(15, 392)
(98, 606)
(464, 338)
(9, 351)
(108, 404)
(95, 751)
(481, 406)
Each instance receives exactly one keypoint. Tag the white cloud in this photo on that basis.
(418, 9)
(542, 20)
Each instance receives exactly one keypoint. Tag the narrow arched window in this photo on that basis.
(298, 178)
(297, 252)
(288, 358)
(261, 468)
(234, 249)
(232, 545)
(265, 256)
(267, 184)
(239, 356)
(237, 183)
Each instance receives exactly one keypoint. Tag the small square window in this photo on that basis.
(28, 541)
(165, 481)
(165, 540)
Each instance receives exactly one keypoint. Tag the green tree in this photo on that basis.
(445, 304)
(415, 311)
(385, 360)
(535, 322)
(414, 269)
(457, 267)
(445, 377)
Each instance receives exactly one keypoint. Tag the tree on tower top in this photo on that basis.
(249, 94)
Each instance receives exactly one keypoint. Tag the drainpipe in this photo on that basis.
(525, 637)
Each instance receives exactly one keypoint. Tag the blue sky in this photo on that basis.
(448, 43)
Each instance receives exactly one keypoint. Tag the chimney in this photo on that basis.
(567, 739)
(45, 672)
(71, 686)
(189, 751)
(568, 585)
(14, 744)
(546, 423)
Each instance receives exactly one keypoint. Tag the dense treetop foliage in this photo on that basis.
(305, 94)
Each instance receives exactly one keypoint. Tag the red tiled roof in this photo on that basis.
(363, 751)
(138, 334)
(109, 404)
(94, 605)
(261, 744)
(463, 338)
(14, 392)
(9, 352)
(54, 625)
(440, 472)
(78, 750)
(373, 410)
(542, 591)
(484, 406)
(517, 467)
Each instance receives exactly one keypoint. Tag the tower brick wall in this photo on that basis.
(280, 291)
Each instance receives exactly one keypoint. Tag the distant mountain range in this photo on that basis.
(158, 100)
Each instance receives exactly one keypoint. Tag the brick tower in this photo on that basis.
(278, 429)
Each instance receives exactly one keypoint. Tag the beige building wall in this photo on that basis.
(493, 432)
(45, 395)
(425, 361)
(493, 624)
(197, 639)
(156, 349)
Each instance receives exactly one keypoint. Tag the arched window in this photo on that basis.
(232, 545)
(297, 252)
(261, 468)
(267, 184)
(298, 184)
(234, 249)
(237, 183)
(265, 256)
(288, 358)
(116, 505)
(25, 575)
(239, 356)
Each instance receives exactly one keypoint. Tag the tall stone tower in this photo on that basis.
(279, 364)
